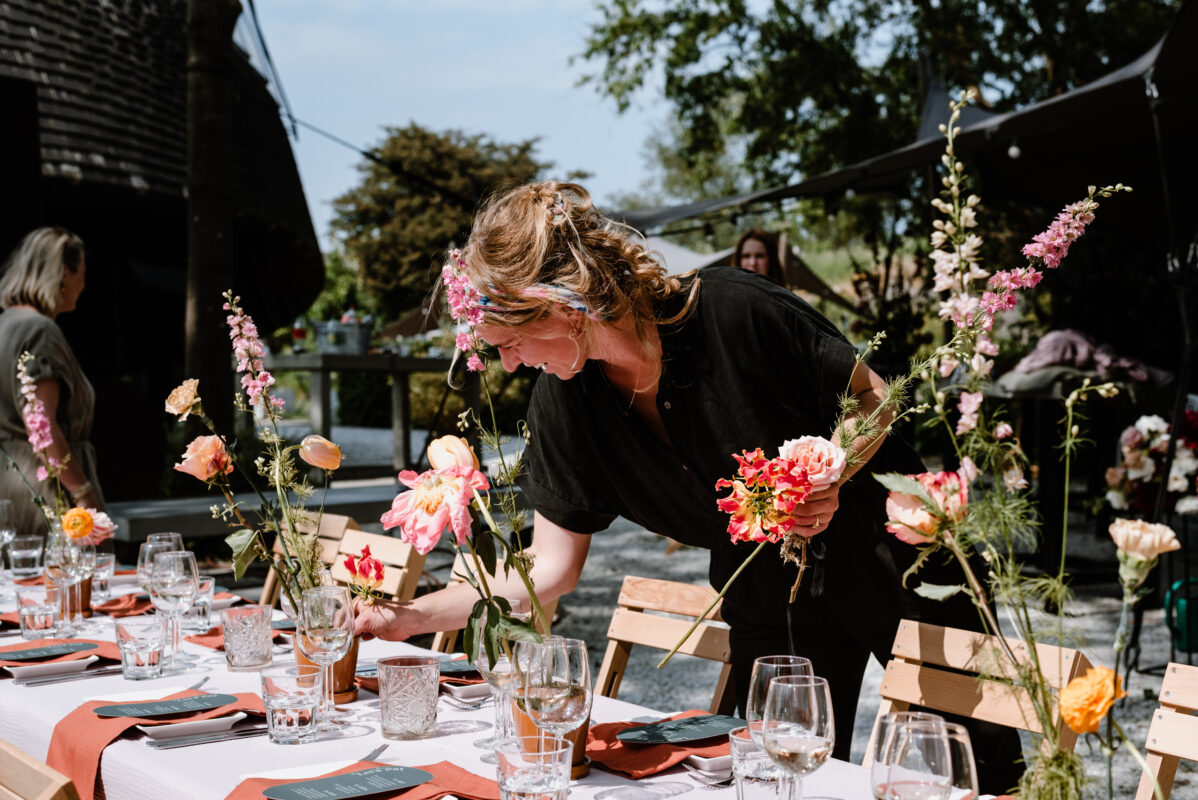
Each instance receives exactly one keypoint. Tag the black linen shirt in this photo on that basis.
(751, 366)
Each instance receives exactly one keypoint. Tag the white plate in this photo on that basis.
(221, 603)
(299, 773)
(469, 691)
(193, 727)
(715, 764)
(54, 668)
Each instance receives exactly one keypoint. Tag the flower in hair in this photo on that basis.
(465, 308)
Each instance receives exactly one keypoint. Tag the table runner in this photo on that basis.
(108, 650)
(80, 737)
(447, 779)
(639, 760)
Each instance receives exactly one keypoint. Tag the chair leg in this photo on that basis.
(1165, 769)
(607, 683)
(724, 699)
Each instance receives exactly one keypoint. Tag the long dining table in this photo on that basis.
(129, 770)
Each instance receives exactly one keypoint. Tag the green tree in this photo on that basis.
(416, 197)
(812, 85)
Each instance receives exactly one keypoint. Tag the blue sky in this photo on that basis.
(498, 67)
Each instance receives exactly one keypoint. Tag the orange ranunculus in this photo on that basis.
(449, 451)
(1087, 699)
(205, 458)
(77, 523)
(320, 452)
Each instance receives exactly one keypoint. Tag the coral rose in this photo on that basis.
(1143, 540)
(1087, 699)
(822, 460)
(205, 458)
(183, 400)
(320, 452)
(449, 451)
(77, 523)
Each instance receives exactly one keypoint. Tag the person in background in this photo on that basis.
(43, 278)
(757, 251)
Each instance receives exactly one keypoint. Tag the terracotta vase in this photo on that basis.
(580, 765)
(344, 688)
(78, 599)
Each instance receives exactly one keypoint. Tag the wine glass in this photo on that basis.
(554, 683)
(64, 563)
(174, 584)
(325, 629)
(797, 728)
(150, 549)
(765, 669)
(883, 745)
(960, 756)
(84, 569)
(499, 676)
(8, 529)
(913, 761)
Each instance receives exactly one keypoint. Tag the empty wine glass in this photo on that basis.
(555, 683)
(85, 568)
(960, 756)
(765, 669)
(324, 632)
(797, 728)
(912, 758)
(65, 565)
(145, 557)
(174, 583)
(499, 676)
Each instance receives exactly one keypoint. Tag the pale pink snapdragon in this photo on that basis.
(249, 350)
(968, 405)
(1053, 244)
(1002, 430)
(33, 412)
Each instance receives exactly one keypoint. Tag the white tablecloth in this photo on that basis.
(131, 771)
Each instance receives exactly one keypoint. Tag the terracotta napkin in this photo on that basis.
(127, 605)
(80, 737)
(36, 580)
(215, 638)
(447, 779)
(639, 760)
(107, 650)
(9, 620)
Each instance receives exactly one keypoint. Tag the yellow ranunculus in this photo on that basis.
(1088, 698)
(77, 523)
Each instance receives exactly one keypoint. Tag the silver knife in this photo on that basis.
(205, 738)
(74, 676)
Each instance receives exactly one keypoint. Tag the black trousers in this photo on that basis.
(839, 656)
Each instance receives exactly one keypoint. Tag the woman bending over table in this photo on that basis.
(652, 383)
(43, 278)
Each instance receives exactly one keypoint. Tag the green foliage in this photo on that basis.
(395, 228)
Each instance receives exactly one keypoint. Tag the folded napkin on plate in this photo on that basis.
(80, 737)
(639, 760)
(127, 605)
(107, 650)
(447, 779)
(215, 638)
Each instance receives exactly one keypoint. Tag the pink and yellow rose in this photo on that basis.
(451, 451)
(822, 461)
(912, 521)
(205, 458)
(438, 499)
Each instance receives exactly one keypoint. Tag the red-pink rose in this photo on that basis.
(822, 461)
(205, 458)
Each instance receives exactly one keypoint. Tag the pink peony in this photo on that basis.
(438, 499)
(205, 458)
(913, 522)
(822, 460)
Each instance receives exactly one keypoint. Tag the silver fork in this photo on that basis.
(464, 705)
(199, 683)
(375, 753)
(715, 781)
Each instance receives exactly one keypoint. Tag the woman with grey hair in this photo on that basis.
(43, 278)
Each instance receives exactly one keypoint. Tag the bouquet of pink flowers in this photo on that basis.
(1135, 483)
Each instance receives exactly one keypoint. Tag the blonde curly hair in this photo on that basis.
(549, 232)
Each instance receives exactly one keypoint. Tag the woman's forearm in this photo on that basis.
(868, 389)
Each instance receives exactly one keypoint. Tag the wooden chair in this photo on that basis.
(447, 641)
(332, 529)
(938, 668)
(1173, 734)
(403, 562)
(23, 777)
(632, 624)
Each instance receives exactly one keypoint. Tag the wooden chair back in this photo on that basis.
(332, 529)
(404, 564)
(447, 641)
(1173, 733)
(938, 668)
(23, 777)
(633, 624)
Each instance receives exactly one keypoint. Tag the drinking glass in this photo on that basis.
(324, 631)
(8, 530)
(38, 610)
(499, 676)
(797, 729)
(66, 562)
(198, 618)
(753, 773)
(408, 688)
(105, 564)
(142, 640)
(534, 767)
(85, 568)
(247, 634)
(145, 558)
(960, 756)
(911, 758)
(173, 586)
(765, 669)
(291, 696)
(555, 684)
(25, 553)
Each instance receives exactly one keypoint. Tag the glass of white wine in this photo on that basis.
(797, 728)
(325, 630)
(174, 583)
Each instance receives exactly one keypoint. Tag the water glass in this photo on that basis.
(142, 640)
(25, 554)
(408, 687)
(198, 618)
(798, 729)
(324, 632)
(533, 767)
(173, 579)
(291, 696)
(38, 610)
(753, 772)
(247, 635)
(960, 756)
(105, 564)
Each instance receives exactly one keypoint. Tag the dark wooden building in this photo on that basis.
(93, 137)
